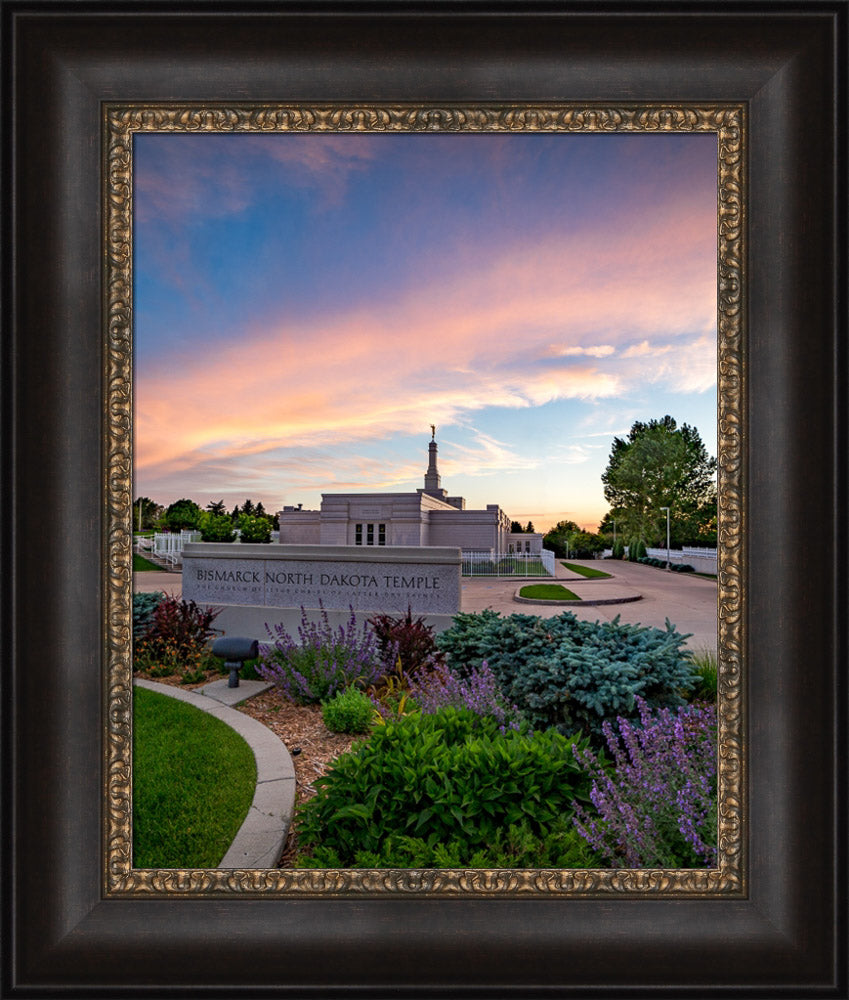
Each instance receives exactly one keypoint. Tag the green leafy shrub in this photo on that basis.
(636, 549)
(254, 528)
(514, 846)
(705, 669)
(216, 527)
(618, 550)
(143, 607)
(571, 674)
(448, 777)
(348, 711)
(661, 564)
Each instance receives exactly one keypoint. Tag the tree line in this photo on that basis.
(658, 465)
(186, 515)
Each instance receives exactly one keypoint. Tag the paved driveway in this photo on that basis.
(688, 601)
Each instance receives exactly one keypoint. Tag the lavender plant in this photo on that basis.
(479, 692)
(655, 801)
(322, 661)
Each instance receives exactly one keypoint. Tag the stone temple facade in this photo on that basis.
(427, 517)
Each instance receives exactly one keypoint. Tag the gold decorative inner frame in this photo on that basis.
(120, 124)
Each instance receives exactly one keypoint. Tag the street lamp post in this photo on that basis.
(668, 564)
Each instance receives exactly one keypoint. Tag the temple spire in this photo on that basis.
(432, 479)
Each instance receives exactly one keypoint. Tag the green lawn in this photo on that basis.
(142, 565)
(548, 592)
(588, 571)
(193, 783)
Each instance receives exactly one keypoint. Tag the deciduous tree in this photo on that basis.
(145, 512)
(660, 465)
(182, 515)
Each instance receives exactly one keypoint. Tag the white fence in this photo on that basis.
(493, 563)
(702, 560)
(169, 547)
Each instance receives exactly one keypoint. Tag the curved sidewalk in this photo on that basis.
(260, 839)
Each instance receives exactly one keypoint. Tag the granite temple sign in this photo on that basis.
(335, 577)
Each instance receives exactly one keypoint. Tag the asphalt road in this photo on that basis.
(688, 601)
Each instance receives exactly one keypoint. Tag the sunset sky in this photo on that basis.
(307, 305)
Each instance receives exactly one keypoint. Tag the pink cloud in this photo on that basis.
(576, 317)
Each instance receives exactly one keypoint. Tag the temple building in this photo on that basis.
(427, 517)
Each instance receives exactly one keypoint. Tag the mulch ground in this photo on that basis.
(312, 746)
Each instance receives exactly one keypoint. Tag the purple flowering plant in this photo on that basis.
(322, 660)
(479, 691)
(654, 803)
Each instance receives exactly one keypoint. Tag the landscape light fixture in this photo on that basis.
(235, 651)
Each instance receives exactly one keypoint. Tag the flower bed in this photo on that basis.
(567, 745)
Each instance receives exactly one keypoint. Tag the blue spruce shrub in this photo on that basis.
(143, 607)
(569, 674)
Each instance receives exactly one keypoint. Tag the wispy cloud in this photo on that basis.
(600, 351)
(198, 175)
(645, 349)
(379, 368)
(293, 392)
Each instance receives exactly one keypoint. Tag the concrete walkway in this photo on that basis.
(260, 839)
(688, 601)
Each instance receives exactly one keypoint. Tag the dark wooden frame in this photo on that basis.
(60, 61)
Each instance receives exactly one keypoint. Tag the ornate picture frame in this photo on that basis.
(727, 123)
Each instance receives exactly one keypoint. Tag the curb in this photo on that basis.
(260, 839)
(583, 579)
(582, 604)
